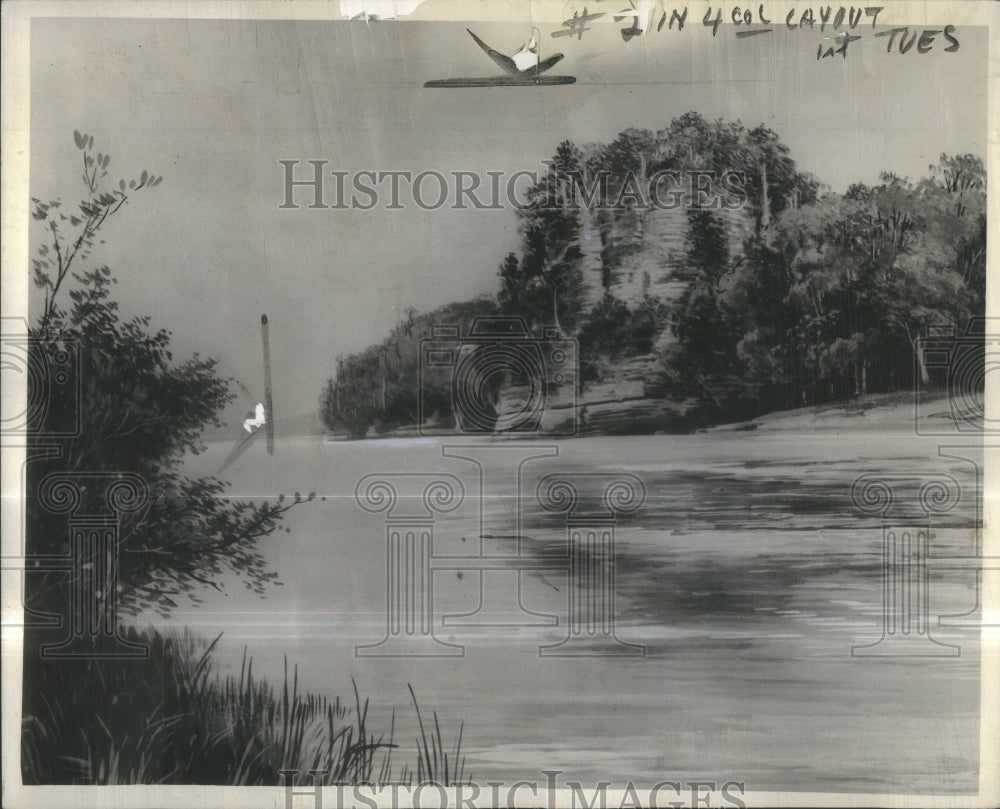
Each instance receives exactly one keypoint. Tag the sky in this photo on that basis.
(213, 105)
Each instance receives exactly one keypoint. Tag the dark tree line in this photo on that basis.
(830, 301)
(378, 389)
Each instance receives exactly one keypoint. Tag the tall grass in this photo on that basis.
(172, 719)
(432, 761)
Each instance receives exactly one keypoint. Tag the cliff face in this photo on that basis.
(647, 248)
(633, 254)
(638, 251)
(653, 220)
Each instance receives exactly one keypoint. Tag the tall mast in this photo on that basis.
(268, 407)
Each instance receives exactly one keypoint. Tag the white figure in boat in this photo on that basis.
(527, 57)
(522, 63)
(258, 419)
(262, 415)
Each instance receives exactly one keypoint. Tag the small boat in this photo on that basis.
(522, 68)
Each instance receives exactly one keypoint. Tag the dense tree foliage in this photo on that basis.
(820, 296)
(133, 409)
(544, 285)
(831, 300)
(379, 389)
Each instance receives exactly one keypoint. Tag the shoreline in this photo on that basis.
(897, 412)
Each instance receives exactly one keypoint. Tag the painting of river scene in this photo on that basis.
(564, 404)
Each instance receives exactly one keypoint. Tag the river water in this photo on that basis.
(747, 574)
